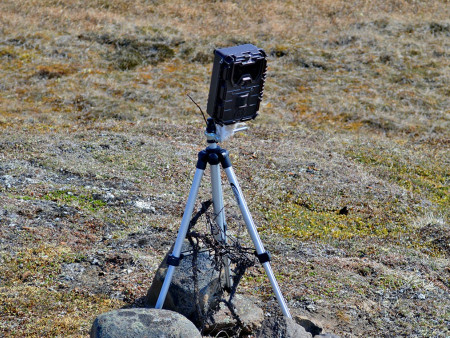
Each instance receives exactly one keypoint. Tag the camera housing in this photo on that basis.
(237, 84)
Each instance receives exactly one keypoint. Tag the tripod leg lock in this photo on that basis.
(174, 261)
(263, 257)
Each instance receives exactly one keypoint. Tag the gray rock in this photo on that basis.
(145, 206)
(71, 271)
(181, 296)
(7, 181)
(140, 323)
(250, 315)
(326, 335)
(310, 325)
(281, 326)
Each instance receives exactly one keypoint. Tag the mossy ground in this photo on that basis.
(345, 170)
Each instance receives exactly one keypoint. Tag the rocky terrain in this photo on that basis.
(345, 170)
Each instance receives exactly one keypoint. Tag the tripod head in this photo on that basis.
(216, 133)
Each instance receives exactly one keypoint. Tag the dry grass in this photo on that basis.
(355, 114)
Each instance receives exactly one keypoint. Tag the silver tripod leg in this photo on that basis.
(181, 235)
(219, 215)
(255, 238)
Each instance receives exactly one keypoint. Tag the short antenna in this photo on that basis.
(204, 117)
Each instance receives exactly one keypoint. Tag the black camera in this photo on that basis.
(237, 84)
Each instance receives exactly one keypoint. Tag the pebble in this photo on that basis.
(7, 180)
(146, 206)
(109, 196)
(311, 307)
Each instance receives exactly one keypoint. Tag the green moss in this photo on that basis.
(7, 53)
(293, 219)
(44, 312)
(427, 179)
(20, 197)
(388, 282)
(125, 59)
(86, 202)
(41, 264)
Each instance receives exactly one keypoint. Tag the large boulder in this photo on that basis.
(143, 323)
(182, 297)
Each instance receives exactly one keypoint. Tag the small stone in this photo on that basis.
(72, 271)
(281, 326)
(343, 211)
(7, 180)
(250, 315)
(311, 307)
(310, 325)
(26, 275)
(421, 296)
(142, 205)
(109, 196)
(145, 206)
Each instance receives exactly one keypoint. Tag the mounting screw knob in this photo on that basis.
(213, 159)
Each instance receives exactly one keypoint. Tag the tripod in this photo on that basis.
(214, 155)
